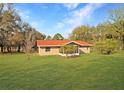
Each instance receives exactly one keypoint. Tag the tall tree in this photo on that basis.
(14, 32)
(116, 18)
(28, 36)
(48, 37)
(58, 36)
(31, 35)
(81, 33)
(7, 25)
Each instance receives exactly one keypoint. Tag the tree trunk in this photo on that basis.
(19, 48)
(11, 50)
(8, 49)
(1, 49)
(123, 42)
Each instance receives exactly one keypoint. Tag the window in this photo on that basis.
(47, 49)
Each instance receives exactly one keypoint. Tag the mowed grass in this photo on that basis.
(89, 71)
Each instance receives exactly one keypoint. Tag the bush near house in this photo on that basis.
(107, 46)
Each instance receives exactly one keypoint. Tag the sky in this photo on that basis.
(52, 18)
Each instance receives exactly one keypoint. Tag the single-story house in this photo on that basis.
(52, 47)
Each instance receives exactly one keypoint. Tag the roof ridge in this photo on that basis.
(61, 42)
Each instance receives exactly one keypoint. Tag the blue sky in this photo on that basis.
(63, 18)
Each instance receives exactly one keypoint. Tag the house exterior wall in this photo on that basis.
(84, 49)
(53, 51)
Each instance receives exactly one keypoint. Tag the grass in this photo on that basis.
(89, 71)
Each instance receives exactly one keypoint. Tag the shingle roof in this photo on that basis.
(61, 42)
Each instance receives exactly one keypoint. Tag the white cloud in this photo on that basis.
(37, 24)
(59, 25)
(79, 17)
(25, 15)
(71, 6)
(84, 14)
(73, 19)
(44, 6)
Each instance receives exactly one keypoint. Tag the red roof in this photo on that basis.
(61, 42)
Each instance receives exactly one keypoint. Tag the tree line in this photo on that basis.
(19, 36)
(15, 34)
(57, 36)
(108, 36)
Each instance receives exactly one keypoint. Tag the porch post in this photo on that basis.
(39, 49)
(63, 51)
(78, 49)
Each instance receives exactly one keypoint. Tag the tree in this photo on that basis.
(58, 36)
(81, 33)
(43, 36)
(48, 37)
(107, 46)
(116, 18)
(8, 22)
(31, 35)
(14, 33)
(28, 37)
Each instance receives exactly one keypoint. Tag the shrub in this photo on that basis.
(107, 46)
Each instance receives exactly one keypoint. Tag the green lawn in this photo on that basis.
(89, 71)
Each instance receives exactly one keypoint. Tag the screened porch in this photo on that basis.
(69, 50)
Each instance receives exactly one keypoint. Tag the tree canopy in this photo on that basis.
(112, 29)
(58, 36)
(15, 33)
(18, 35)
(48, 37)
